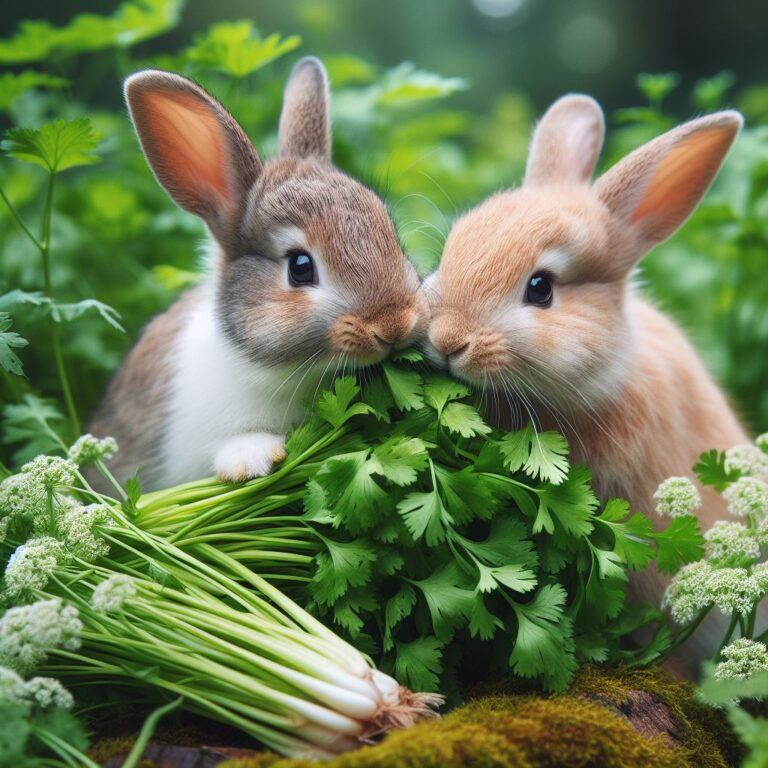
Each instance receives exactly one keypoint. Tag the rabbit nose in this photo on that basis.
(447, 339)
(393, 331)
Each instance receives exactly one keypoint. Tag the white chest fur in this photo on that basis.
(217, 393)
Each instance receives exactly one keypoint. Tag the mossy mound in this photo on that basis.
(608, 719)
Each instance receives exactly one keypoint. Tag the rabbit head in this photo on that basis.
(308, 263)
(531, 296)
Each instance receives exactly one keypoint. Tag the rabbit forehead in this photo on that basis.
(511, 235)
(337, 217)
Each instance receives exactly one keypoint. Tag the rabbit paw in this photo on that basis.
(250, 455)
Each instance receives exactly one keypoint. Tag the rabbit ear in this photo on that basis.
(566, 143)
(196, 149)
(305, 122)
(657, 187)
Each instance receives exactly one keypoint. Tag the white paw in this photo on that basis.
(250, 455)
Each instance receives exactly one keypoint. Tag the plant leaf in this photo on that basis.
(55, 146)
(9, 341)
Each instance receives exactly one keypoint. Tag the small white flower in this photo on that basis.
(89, 449)
(676, 496)
(31, 565)
(733, 590)
(687, 592)
(760, 575)
(761, 441)
(747, 497)
(11, 687)
(46, 692)
(111, 594)
(743, 658)
(51, 471)
(747, 459)
(20, 498)
(731, 543)
(29, 632)
(77, 524)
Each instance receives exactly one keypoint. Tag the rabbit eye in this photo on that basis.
(301, 269)
(539, 290)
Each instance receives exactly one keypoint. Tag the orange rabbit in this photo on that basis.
(533, 302)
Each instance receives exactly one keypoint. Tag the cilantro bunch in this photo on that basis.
(434, 541)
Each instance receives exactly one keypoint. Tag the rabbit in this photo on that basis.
(308, 276)
(533, 302)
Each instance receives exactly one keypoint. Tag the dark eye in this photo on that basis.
(301, 269)
(539, 290)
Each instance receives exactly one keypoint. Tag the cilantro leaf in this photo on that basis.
(400, 459)
(543, 454)
(449, 603)
(632, 536)
(711, 470)
(337, 407)
(55, 146)
(571, 504)
(236, 48)
(9, 341)
(418, 664)
(405, 387)
(506, 542)
(439, 391)
(67, 312)
(29, 423)
(515, 576)
(680, 543)
(544, 645)
(482, 623)
(397, 609)
(465, 494)
(463, 419)
(351, 492)
(342, 565)
(425, 515)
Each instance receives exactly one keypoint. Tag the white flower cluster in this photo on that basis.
(40, 692)
(37, 490)
(699, 585)
(749, 459)
(89, 449)
(743, 658)
(676, 496)
(77, 525)
(110, 595)
(748, 497)
(32, 564)
(731, 543)
(51, 471)
(761, 441)
(29, 632)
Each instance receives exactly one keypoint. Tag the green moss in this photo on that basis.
(521, 730)
(590, 726)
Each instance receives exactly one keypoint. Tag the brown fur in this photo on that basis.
(364, 302)
(615, 375)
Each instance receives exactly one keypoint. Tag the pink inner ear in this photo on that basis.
(681, 179)
(193, 144)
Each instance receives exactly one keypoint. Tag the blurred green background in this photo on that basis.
(433, 106)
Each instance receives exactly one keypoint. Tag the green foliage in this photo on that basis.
(55, 146)
(440, 543)
(132, 22)
(9, 360)
(237, 49)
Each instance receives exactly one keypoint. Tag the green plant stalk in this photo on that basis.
(262, 664)
(132, 760)
(45, 252)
